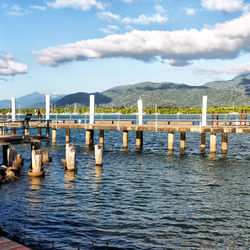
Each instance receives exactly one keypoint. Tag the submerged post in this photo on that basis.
(170, 141)
(204, 111)
(203, 141)
(224, 139)
(98, 154)
(139, 139)
(101, 139)
(37, 168)
(91, 109)
(183, 141)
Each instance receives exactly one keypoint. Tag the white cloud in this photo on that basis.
(76, 4)
(37, 7)
(144, 19)
(224, 40)
(110, 29)
(235, 69)
(223, 5)
(16, 10)
(159, 9)
(106, 15)
(9, 67)
(190, 11)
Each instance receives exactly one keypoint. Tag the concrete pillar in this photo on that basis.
(13, 111)
(47, 107)
(170, 141)
(67, 138)
(204, 111)
(203, 141)
(89, 137)
(13, 131)
(212, 143)
(101, 139)
(139, 139)
(183, 141)
(53, 135)
(91, 109)
(125, 139)
(140, 111)
(224, 138)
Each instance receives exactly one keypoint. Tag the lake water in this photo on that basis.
(147, 199)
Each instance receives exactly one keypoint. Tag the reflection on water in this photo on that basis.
(136, 200)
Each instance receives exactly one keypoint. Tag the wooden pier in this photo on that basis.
(171, 128)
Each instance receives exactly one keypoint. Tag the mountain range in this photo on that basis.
(219, 93)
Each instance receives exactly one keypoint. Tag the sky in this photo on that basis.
(68, 46)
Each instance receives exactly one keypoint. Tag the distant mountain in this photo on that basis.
(82, 99)
(5, 104)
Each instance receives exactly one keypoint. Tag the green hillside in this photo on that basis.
(220, 93)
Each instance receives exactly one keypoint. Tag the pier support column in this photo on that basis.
(183, 141)
(125, 139)
(89, 137)
(212, 143)
(224, 138)
(39, 131)
(53, 135)
(101, 138)
(139, 139)
(67, 138)
(203, 141)
(13, 131)
(170, 141)
(26, 131)
(1, 131)
(5, 154)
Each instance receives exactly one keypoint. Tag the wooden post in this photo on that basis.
(240, 117)
(46, 157)
(170, 141)
(89, 137)
(26, 131)
(37, 161)
(217, 119)
(19, 160)
(53, 135)
(11, 157)
(39, 131)
(139, 139)
(212, 119)
(70, 160)
(125, 139)
(47, 129)
(245, 118)
(183, 141)
(13, 131)
(212, 143)
(5, 155)
(67, 138)
(101, 138)
(224, 139)
(98, 154)
(1, 130)
(203, 141)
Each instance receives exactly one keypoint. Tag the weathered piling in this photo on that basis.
(53, 135)
(89, 137)
(1, 130)
(39, 131)
(182, 141)
(5, 155)
(101, 138)
(224, 140)
(98, 154)
(70, 158)
(125, 139)
(19, 160)
(203, 142)
(13, 131)
(11, 157)
(46, 158)
(170, 141)
(139, 139)
(26, 131)
(36, 164)
(67, 137)
(212, 143)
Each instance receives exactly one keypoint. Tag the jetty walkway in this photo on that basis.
(171, 127)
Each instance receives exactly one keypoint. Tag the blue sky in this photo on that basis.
(68, 46)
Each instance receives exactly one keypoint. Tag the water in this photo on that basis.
(145, 199)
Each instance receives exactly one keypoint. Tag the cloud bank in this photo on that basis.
(223, 5)
(9, 67)
(224, 40)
